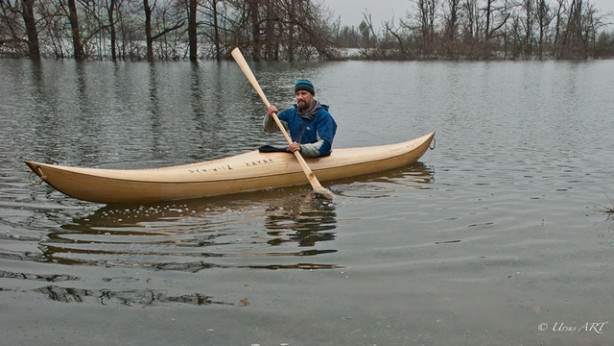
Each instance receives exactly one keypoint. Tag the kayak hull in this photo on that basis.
(250, 171)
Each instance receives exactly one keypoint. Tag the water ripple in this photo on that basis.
(200, 234)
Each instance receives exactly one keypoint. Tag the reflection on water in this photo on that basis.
(194, 235)
(106, 296)
(124, 297)
(384, 184)
(310, 219)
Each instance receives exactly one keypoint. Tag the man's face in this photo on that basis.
(304, 100)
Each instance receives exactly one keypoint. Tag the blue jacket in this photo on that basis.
(313, 130)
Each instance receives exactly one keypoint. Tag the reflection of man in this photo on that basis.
(311, 126)
(305, 221)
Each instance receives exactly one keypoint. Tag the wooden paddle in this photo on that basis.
(313, 180)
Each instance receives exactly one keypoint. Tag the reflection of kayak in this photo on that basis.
(250, 171)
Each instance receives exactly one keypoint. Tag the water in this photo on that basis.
(499, 236)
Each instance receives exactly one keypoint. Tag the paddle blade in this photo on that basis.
(323, 193)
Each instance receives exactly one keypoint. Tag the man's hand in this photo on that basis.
(294, 147)
(272, 109)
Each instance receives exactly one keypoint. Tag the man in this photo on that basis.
(311, 126)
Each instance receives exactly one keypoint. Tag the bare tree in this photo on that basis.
(591, 23)
(451, 26)
(426, 23)
(491, 12)
(396, 31)
(471, 26)
(559, 26)
(31, 30)
(216, 29)
(192, 27)
(150, 37)
(214, 19)
(527, 6)
(10, 23)
(148, 34)
(369, 38)
(75, 30)
(254, 8)
(544, 18)
(111, 14)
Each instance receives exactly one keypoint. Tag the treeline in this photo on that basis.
(163, 29)
(300, 29)
(488, 29)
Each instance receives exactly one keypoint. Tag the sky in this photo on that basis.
(351, 11)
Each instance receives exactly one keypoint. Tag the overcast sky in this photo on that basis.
(351, 11)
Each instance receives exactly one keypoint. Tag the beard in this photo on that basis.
(303, 105)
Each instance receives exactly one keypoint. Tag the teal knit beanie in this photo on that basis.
(304, 84)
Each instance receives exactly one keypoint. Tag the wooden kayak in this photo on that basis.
(245, 172)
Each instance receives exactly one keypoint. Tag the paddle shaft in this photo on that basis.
(313, 180)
